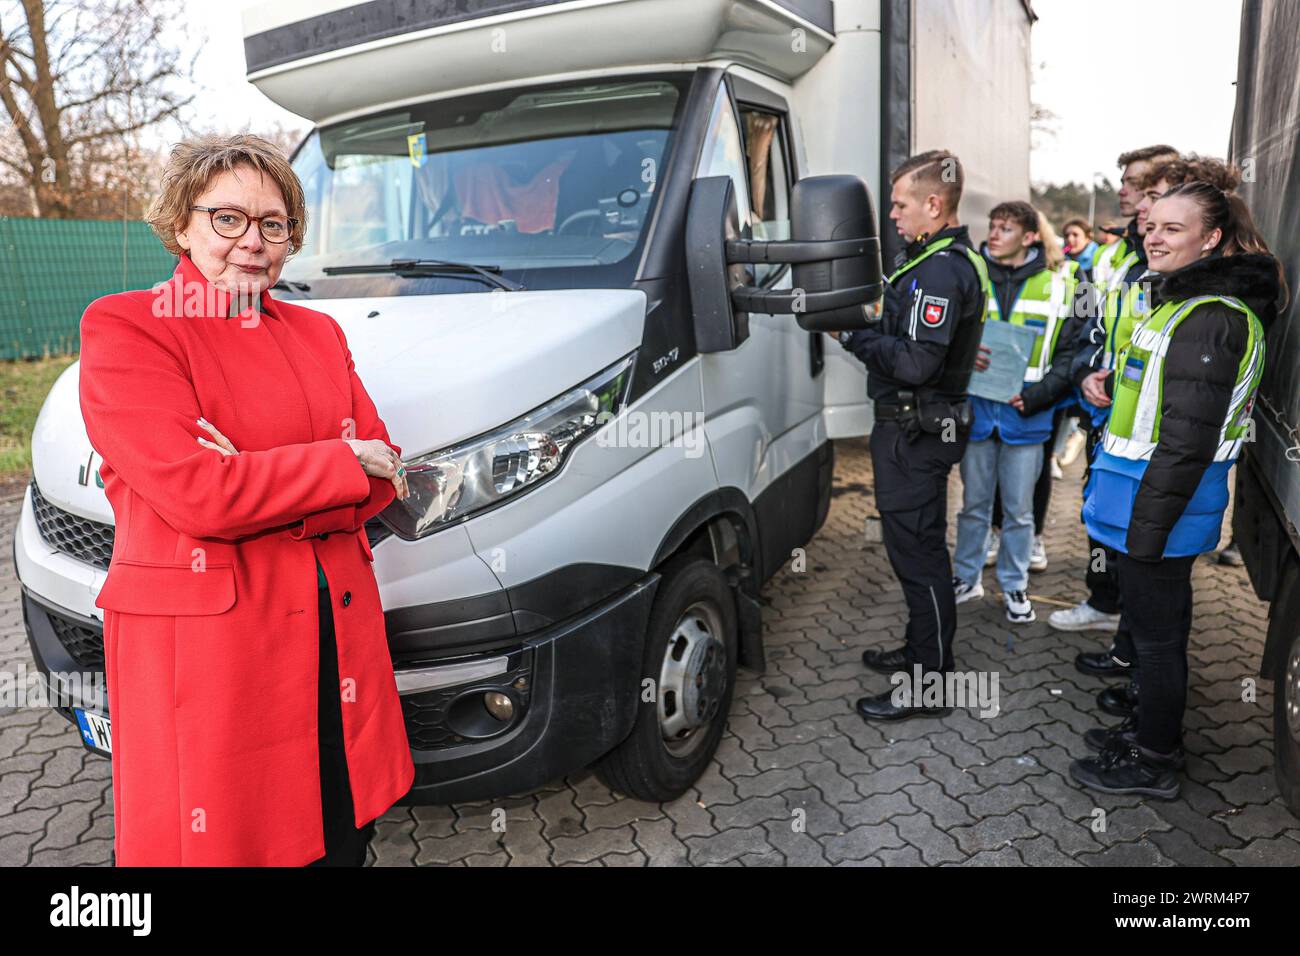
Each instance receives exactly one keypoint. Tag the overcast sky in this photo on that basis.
(1167, 66)
(1171, 74)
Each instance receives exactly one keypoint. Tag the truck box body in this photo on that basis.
(1266, 507)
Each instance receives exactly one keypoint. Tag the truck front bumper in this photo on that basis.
(572, 691)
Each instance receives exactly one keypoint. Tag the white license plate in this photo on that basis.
(95, 731)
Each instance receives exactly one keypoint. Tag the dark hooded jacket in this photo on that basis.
(1200, 372)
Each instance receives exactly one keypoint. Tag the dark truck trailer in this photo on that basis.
(1265, 141)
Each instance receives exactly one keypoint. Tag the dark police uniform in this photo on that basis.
(919, 359)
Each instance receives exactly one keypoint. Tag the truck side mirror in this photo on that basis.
(834, 249)
(712, 223)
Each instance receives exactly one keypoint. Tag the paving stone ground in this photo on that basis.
(799, 778)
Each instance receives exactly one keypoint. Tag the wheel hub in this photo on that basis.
(693, 678)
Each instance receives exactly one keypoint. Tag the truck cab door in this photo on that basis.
(763, 399)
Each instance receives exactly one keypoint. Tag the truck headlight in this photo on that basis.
(452, 483)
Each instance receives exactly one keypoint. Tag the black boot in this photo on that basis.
(1129, 769)
(882, 707)
(887, 662)
(1101, 664)
(1120, 701)
(1101, 739)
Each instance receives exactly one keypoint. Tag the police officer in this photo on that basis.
(919, 358)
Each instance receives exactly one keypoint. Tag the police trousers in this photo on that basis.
(911, 483)
(345, 844)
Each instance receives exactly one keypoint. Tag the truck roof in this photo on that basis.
(329, 59)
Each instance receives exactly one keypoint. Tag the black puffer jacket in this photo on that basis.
(1200, 371)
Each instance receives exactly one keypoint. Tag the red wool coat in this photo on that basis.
(210, 607)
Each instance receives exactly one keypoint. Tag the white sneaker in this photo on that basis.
(1038, 555)
(1083, 617)
(1019, 610)
(967, 592)
(1073, 446)
(995, 541)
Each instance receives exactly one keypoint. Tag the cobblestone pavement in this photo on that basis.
(964, 789)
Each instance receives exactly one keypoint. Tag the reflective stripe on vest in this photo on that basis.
(1133, 428)
(1044, 303)
(976, 260)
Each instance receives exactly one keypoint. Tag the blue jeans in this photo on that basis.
(987, 465)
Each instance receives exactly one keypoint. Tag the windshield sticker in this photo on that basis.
(416, 146)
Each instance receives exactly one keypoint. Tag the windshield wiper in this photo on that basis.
(489, 274)
(289, 285)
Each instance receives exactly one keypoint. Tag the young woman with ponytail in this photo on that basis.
(1182, 393)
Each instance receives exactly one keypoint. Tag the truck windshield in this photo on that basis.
(552, 186)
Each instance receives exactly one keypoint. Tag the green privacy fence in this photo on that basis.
(51, 269)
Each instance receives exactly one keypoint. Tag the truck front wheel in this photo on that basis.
(687, 678)
(1286, 724)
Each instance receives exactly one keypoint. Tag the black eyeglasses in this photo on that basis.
(229, 223)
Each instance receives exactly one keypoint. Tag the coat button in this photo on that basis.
(347, 598)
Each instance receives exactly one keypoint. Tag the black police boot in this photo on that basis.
(1129, 768)
(882, 707)
(889, 661)
(1101, 739)
(1120, 701)
(1101, 664)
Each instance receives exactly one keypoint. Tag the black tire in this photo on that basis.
(645, 765)
(1286, 723)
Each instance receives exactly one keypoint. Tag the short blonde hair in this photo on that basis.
(193, 165)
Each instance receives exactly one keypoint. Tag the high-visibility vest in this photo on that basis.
(1132, 433)
(975, 258)
(1123, 305)
(1043, 304)
(1103, 263)
(1133, 429)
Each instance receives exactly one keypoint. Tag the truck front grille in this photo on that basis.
(84, 645)
(92, 541)
(78, 537)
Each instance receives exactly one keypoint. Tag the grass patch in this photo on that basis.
(23, 387)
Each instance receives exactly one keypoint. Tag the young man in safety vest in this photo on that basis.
(1035, 288)
(1135, 165)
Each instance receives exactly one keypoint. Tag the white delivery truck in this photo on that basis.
(584, 254)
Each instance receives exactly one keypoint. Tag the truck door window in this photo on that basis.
(769, 182)
(723, 154)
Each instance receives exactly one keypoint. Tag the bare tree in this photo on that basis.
(77, 80)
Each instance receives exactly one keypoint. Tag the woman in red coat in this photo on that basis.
(242, 457)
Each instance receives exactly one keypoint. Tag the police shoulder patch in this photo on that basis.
(934, 309)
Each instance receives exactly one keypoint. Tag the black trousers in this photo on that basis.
(911, 480)
(345, 844)
(1158, 609)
